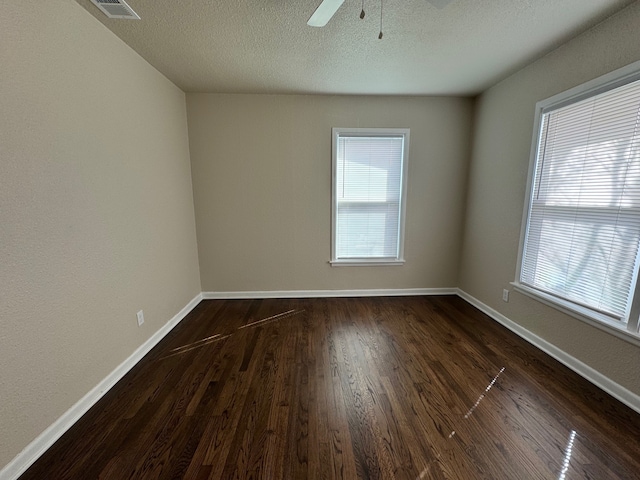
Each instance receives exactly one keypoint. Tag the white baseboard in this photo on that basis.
(46, 439)
(393, 292)
(598, 379)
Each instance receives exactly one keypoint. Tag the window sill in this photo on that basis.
(377, 262)
(602, 322)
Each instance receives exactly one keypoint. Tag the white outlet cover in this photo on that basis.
(140, 318)
(505, 295)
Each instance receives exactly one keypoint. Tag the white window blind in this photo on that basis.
(583, 228)
(368, 194)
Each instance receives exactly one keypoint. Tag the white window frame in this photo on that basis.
(368, 132)
(628, 331)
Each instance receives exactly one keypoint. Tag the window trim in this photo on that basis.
(629, 331)
(378, 261)
(585, 316)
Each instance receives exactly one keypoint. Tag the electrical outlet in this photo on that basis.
(505, 295)
(140, 318)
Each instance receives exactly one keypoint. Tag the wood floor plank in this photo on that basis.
(347, 388)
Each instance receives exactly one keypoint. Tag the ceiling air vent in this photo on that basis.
(116, 9)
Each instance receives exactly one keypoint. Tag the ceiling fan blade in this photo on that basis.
(324, 12)
(440, 3)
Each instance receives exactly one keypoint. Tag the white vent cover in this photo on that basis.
(116, 9)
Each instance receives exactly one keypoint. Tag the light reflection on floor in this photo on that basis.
(486, 390)
(567, 456)
(467, 415)
(195, 345)
(218, 336)
(279, 316)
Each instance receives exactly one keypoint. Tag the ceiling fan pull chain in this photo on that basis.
(380, 35)
(362, 12)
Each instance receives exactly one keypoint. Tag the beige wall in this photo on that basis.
(96, 210)
(498, 175)
(262, 189)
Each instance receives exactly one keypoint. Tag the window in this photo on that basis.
(582, 233)
(369, 195)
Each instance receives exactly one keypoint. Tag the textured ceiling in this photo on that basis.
(265, 46)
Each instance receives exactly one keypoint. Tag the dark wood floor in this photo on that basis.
(403, 388)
